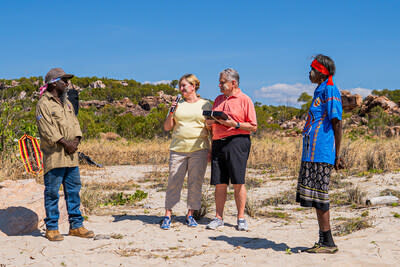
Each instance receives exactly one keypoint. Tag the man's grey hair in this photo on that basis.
(230, 74)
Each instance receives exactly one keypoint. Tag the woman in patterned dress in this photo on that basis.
(321, 145)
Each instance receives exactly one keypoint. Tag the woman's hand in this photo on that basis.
(209, 123)
(169, 121)
(173, 106)
(339, 164)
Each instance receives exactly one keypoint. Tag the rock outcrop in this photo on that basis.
(141, 109)
(97, 84)
(22, 207)
(372, 101)
(293, 123)
(349, 101)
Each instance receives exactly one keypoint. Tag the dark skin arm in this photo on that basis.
(337, 129)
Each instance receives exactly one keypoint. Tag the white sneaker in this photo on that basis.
(214, 224)
(242, 225)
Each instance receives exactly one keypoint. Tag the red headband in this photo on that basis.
(321, 68)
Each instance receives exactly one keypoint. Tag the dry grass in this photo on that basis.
(284, 198)
(95, 195)
(111, 186)
(158, 179)
(92, 198)
(336, 181)
(390, 192)
(267, 152)
(251, 207)
(12, 168)
(207, 200)
(124, 153)
(365, 155)
(352, 195)
(277, 154)
(351, 225)
(274, 214)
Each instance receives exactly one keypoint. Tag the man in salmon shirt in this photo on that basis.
(231, 146)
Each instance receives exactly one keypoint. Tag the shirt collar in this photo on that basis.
(235, 95)
(50, 96)
(321, 86)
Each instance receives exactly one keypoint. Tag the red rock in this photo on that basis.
(349, 101)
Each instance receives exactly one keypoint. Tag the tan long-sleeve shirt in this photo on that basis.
(56, 121)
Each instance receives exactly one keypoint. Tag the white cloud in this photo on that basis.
(158, 82)
(287, 94)
(361, 91)
(283, 93)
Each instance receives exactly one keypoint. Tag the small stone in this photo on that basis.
(101, 236)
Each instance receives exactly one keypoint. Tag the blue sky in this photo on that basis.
(270, 43)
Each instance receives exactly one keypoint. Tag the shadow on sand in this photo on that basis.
(255, 243)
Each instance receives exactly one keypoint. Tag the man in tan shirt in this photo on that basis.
(60, 135)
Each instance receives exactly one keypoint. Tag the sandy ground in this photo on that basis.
(138, 240)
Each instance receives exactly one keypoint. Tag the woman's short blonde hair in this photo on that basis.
(192, 79)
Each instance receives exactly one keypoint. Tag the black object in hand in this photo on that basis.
(172, 109)
(215, 115)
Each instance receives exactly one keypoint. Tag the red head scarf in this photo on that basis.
(321, 68)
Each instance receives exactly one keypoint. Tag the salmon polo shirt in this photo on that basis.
(240, 108)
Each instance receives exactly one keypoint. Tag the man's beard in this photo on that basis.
(64, 96)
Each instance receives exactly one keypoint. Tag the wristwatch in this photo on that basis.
(237, 125)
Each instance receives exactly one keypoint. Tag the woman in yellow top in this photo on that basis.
(189, 149)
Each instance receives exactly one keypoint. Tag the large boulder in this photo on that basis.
(22, 207)
(126, 103)
(22, 95)
(14, 83)
(97, 84)
(349, 101)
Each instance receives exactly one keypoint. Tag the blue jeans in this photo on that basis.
(70, 178)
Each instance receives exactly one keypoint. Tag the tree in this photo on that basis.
(174, 83)
(306, 99)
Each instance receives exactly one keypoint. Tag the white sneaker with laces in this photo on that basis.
(214, 224)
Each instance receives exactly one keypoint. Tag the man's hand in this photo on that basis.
(76, 143)
(228, 122)
(69, 146)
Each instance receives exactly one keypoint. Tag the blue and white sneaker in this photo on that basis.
(191, 222)
(166, 223)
